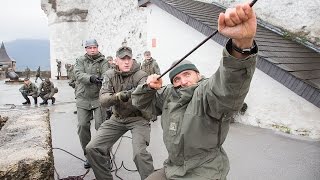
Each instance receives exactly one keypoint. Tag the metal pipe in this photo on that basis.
(195, 48)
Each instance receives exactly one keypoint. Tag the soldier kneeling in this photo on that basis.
(46, 91)
(29, 89)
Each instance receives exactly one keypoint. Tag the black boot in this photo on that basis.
(86, 165)
(35, 100)
(44, 102)
(53, 100)
(27, 102)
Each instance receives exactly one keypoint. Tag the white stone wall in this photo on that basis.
(301, 17)
(66, 32)
(112, 21)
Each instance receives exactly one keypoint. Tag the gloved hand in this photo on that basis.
(123, 96)
(95, 79)
(72, 84)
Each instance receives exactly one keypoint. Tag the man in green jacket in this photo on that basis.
(150, 65)
(46, 91)
(196, 111)
(29, 89)
(116, 93)
(88, 72)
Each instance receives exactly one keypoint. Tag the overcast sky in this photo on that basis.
(22, 19)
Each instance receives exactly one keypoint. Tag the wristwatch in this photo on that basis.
(247, 51)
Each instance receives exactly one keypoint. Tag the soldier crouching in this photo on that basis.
(46, 91)
(29, 89)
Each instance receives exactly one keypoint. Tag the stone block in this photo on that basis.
(26, 145)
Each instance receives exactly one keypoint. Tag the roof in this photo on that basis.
(3, 54)
(290, 63)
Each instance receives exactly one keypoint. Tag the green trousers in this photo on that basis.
(84, 119)
(109, 132)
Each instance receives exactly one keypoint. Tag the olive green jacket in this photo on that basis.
(115, 81)
(46, 88)
(150, 67)
(195, 120)
(87, 93)
(30, 90)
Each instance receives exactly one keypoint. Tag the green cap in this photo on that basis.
(109, 58)
(182, 66)
(91, 42)
(124, 51)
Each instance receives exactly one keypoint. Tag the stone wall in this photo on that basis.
(26, 149)
(112, 21)
(67, 30)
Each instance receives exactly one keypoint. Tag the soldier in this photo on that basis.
(71, 76)
(88, 72)
(72, 80)
(29, 89)
(58, 68)
(116, 92)
(46, 91)
(27, 72)
(150, 66)
(111, 62)
(196, 111)
(38, 75)
(68, 66)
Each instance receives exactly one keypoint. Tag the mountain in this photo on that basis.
(29, 52)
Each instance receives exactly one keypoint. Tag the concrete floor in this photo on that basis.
(254, 153)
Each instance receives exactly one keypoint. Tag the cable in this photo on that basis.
(70, 154)
(80, 177)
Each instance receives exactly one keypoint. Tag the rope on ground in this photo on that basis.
(113, 162)
(80, 177)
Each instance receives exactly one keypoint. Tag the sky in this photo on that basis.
(21, 19)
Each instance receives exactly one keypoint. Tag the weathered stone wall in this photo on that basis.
(112, 21)
(26, 149)
(295, 18)
(68, 29)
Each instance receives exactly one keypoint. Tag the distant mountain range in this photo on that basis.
(29, 52)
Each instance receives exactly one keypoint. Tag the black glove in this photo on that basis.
(123, 96)
(95, 79)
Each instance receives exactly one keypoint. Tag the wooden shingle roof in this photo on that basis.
(290, 63)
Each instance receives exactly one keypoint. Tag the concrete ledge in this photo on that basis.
(25, 145)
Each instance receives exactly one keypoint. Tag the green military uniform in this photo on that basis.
(125, 117)
(195, 120)
(71, 77)
(150, 66)
(46, 91)
(87, 94)
(29, 90)
(38, 75)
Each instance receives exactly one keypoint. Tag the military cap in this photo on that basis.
(91, 42)
(147, 53)
(184, 65)
(26, 79)
(124, 51)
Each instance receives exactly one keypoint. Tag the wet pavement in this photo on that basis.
(254, 153)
